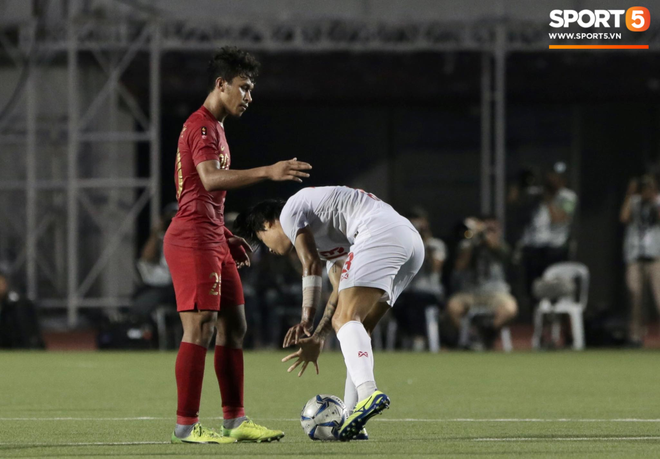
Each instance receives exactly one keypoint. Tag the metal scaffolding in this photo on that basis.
(113, 44)
(31, 51)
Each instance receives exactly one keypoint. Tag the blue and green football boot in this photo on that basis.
(364, 410)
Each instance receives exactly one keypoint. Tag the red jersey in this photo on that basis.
(200, 219)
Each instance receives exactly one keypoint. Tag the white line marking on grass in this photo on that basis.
(508, 439)
(516, 420)
(140, 418)
(504, 439)
(155, 418)
(108, 443)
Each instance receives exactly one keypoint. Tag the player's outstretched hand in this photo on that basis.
(239, 249)
(289, 170)
(310, 349)
(295, 333)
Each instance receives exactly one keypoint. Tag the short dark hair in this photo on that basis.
(230, 62)
(254, 219)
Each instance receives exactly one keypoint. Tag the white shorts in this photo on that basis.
(387, 260)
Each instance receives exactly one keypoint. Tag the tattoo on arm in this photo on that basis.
(325, 325)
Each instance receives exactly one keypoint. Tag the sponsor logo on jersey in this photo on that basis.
(334, 253)
(203, 132)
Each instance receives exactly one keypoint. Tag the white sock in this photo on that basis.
(358, 355)
(364, 390)
(350, 394)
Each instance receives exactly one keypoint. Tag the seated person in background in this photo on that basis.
(428, 280)
(157, 288)
(19, 324)
(480, 275)
(277, 283)
(640, 213)
(426, 288)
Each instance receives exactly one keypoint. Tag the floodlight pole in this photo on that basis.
(72, 172)
(486, 132)
(154, 128)
(31, 172)
(500, 125)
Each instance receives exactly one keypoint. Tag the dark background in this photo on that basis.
(407, 127)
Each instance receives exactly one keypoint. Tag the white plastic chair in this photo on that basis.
(466, 323)
(570, 305)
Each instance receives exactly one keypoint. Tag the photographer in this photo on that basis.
(546, 238)
(640, 213)
(480, 278)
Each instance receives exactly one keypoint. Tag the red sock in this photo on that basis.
(229, 370)
(189, 376)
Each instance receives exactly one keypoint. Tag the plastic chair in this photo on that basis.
(466, 323)
(572, 306)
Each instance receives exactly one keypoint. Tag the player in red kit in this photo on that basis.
(203, 255)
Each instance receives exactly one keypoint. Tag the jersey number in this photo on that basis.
(347, 266)
(215, 290)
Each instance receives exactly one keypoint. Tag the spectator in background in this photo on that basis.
(524, 196)
(640, 213)
(19, 324)
(278, 282)
(545, 239)
(429, 278)
(480, 278)
(157, 288)
(426, 288)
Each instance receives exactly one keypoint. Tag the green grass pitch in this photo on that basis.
(595, 404)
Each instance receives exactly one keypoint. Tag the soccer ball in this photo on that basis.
(322, 416)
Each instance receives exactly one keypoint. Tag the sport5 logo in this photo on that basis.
(638, 18)
(347, 266)
(363, 354)
(334, 253)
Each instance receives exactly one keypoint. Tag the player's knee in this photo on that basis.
(231, 334)
(237, 333)
(201, 336)
(200, 330)
(338, 321)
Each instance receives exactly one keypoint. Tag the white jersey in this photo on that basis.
(336, 215)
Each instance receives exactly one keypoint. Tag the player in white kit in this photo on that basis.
(372, 253)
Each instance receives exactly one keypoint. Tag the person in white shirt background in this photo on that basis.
(640, 213)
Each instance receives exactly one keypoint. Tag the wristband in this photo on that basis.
(311, 291)
(312, 281)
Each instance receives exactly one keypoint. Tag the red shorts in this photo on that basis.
(204, 279)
